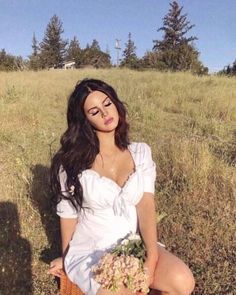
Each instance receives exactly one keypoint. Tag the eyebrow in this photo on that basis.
(96, 107)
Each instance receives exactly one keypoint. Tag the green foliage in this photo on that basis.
(229, 70)
(132, 244)
(176, 50)
(74, 50)
(9, 62)
(130, 59)
(35, 63)
(152, 60)
(183, 58)
(95, 45)
(175, 27)
(53, 47)
(93, 56)
(34, 58)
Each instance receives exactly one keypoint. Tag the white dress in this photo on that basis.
(112, 215)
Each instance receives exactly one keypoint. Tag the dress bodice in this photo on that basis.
(100, 192)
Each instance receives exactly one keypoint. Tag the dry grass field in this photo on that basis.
(190, 123)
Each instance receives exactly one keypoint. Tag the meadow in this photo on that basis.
(190, 123)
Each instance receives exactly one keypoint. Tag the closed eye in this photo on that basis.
(95, 113)
(107, 104)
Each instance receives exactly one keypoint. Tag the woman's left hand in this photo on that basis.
(150, 266)
(56, 267)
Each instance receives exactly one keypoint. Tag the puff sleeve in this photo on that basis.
(64, 207)
(148, 170)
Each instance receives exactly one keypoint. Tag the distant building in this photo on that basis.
(68, 65)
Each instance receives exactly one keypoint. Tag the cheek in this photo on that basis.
(91, 120)
(115, 111)
(94, 121)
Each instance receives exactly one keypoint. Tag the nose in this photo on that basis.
(104, 113)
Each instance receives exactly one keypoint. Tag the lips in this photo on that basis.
(108, 121)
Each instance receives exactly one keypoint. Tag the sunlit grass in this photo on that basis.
(190, 123)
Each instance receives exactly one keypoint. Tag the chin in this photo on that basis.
(109, 128)
(113, 126)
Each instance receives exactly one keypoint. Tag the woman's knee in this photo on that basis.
(180, 281)
(183, 282)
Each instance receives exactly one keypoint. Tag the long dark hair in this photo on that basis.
(80, 144)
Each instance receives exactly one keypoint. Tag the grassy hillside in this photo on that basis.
(190, 123)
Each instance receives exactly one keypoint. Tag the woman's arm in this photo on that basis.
(147, 226)
(67, 226)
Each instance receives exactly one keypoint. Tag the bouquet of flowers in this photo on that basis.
(124, 265)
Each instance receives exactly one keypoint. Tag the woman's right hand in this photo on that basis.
(56, 267)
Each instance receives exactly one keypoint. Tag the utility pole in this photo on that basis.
(117, 47)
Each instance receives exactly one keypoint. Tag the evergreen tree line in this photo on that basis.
(176, 50)
(53, 51)
(229, 70)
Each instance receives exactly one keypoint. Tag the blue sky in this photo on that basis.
(106, 20)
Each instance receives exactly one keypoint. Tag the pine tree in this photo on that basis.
(74, 50)
(92, 55)
(175, 27)
(34, 58)
(53, 47)
(177, 52)
(130, 59)
(95, 45)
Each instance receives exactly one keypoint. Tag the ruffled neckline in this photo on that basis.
(113, 182)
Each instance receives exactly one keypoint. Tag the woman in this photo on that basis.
(105, 189)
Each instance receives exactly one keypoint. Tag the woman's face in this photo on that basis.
(101, 112)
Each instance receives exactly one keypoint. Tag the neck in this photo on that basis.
(106, 142)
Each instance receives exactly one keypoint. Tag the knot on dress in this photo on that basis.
(129, 195)
(120, 206)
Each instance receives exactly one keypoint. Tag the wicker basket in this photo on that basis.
(67, 287)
